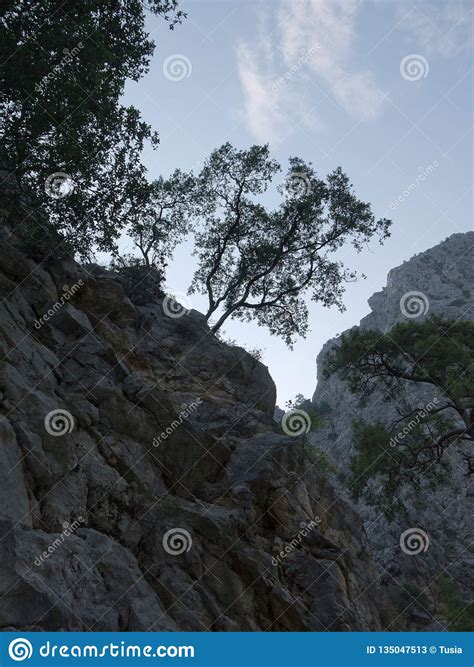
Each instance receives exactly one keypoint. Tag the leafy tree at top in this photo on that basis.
(64, 67)
(258, 264)
(436, 356)
(161, 218)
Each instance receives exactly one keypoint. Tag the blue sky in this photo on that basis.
(381, 88)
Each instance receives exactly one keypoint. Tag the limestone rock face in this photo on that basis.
(144, 483)
(443, 277)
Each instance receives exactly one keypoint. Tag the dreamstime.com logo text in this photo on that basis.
(21, 649)
(414, 421)
(296, 541)
(424, 173)
(283, 80)
(68, 292)
(67, 59)
(176, 423)
(68, 529)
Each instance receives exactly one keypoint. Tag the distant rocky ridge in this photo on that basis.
(144, 484)
(444, 275)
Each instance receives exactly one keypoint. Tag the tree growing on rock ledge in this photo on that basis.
(435, 357)
(160, 220)
(259, 264)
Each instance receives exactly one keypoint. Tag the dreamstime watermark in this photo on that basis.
(414, 304)
(296, 422)
(20, 649)
(306, 528)
(67, 59)
(297, 184)
(302, 60)
(413, 541)
(176, 541)
(59, 422)
(186, 410)
(68, 292)
(59, 185)
(68, 530)
(414, 421)
(176, 305)
(425, 172)
(414, 67)
(177, 67)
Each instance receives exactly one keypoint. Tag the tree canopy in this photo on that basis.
(433, 359)
(62, 117)
(75, 152)
(255, 263)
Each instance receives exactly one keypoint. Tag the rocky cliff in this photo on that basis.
(438, 281)
(144, 484)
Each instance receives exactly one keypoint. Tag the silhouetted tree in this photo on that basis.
(64, 67)
(258, 264)
(160, 218)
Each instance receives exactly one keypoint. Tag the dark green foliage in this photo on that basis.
(259, 264)
(397, 464)
(438, 355)
(436, 352)
(458, 612)
(63, 73)
(372, 444)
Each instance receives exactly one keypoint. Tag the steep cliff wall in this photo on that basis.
(144, 484)
(443, 277)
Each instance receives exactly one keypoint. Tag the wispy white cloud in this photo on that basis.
(437, 28)
(262, 112)
(313, 42)
(333, 24)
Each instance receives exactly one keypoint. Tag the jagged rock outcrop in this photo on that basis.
(445, 276)
(144, 483)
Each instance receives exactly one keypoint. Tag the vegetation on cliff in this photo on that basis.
(436, 356)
